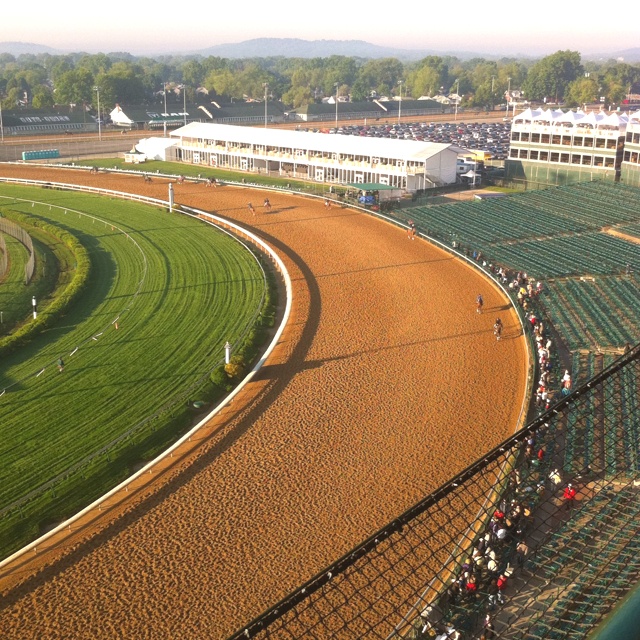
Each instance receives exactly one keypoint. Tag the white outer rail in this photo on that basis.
(211, 219)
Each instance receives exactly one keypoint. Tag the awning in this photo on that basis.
(372, 186)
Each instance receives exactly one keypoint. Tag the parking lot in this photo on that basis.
(487, 136)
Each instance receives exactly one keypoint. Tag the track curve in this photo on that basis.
(385, 384)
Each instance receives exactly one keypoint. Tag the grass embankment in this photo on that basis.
(62, 270)
(179, 290)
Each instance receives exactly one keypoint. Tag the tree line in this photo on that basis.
(44, 80)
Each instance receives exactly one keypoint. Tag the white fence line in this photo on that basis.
(214, 220)
(17, 232)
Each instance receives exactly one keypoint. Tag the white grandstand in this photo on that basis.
(403, 164)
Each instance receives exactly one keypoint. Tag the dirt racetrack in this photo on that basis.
(385, 384)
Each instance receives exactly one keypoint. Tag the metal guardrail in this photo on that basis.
(228, 226)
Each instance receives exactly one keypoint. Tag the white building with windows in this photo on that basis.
(404, 164)
(630, 169)
(558, 147)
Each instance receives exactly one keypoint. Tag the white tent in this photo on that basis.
(155, 148)
(120, 118)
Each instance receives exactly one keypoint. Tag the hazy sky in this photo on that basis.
(522, 27)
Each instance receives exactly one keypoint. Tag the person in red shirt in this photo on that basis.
(569, 496)
(501, 583)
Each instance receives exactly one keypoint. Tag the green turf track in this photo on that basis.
(180, 296)
(14, 303)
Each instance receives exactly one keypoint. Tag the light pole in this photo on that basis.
(457, 96)
(184, 94)
(164, 115)
(266, 89)
(97, 90)
(335, 84)
(400, 105)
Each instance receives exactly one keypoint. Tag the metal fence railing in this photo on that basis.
(4, 258)
(17, 232)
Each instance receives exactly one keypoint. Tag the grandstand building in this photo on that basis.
(556, 147)
(630, 172)
(403, 164)
(47, 121)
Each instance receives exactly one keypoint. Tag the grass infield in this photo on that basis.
(180, 290)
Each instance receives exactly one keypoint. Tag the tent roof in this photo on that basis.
(355, 145)
(592, 118)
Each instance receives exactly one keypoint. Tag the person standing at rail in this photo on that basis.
(479, 303)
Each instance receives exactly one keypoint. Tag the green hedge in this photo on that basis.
(61, 302)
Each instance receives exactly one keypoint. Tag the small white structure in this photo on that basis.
(120, 118)
(404, 164)
(154, 148)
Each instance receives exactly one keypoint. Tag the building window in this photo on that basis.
(627, 156)
(564, 157)
(578, 141)
(523, 154)
(575, 158)
(556, 139)
(535, 137)
(545, 138)
(524, 137)
(555, 156)
(609, 163)
(588, 142)
(515, 136)
(586, 160)
(513, 153)
(567, 141)
(611, 144)
(533, 155)
(544, 155)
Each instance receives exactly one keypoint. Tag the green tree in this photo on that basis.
(581, 92)
(42, 97)
(74, 87)
(427, 77)
(550, 77)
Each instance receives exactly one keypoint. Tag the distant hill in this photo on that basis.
(296, 48)
(630, 56)
(19, 48)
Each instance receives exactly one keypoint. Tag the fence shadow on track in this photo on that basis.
(403, 582)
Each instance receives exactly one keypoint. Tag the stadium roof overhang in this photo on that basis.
(407, 150)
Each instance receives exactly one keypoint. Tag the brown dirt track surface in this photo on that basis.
(385, 384)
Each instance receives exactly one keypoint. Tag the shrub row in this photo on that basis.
(53, 311)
